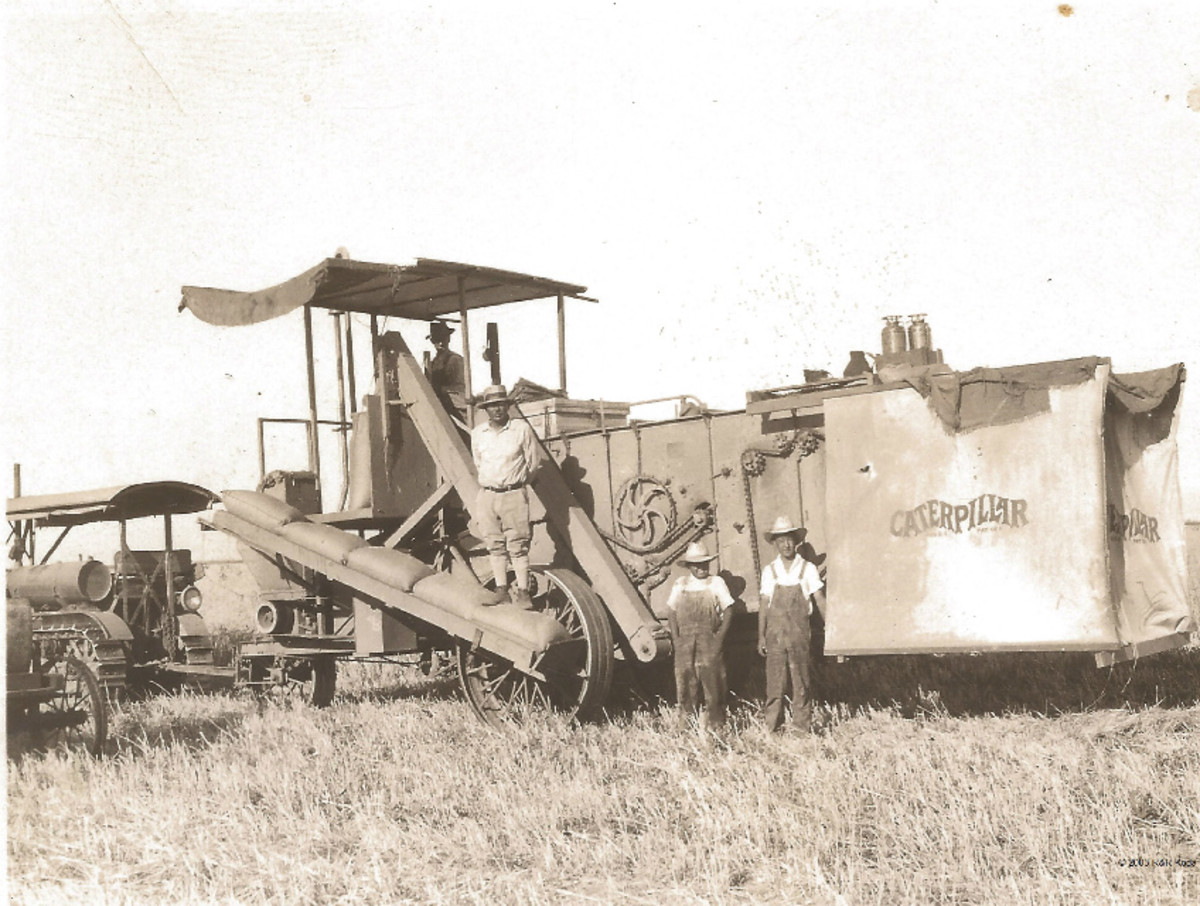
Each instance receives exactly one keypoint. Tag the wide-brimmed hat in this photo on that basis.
(439, 330)
(697, 552)
(495, 395)
(783, 526)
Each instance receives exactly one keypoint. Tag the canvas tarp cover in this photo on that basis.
(1147, 547)
(973, 399)
(428, 288)
(991, 539)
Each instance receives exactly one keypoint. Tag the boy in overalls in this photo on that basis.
(699, 617)
(789, 584)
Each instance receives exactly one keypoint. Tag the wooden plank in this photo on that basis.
(415, 519)
(814, 400)
(437, 431)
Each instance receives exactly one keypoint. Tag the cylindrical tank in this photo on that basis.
(894, 338)
(919, 334)
(61, 584)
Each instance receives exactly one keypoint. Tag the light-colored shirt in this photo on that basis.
(505, 456)
(714, 585)
(799, 572)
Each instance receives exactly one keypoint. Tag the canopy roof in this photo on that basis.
(131, 501)
(422, 291)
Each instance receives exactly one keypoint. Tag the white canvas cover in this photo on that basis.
(1147, 547)
(963, 540)
(1023, 509)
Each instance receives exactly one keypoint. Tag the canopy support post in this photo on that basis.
(314, 451)
(350, 364)
(344, 447)
(262, 453)
(466, 350)
(53, 547)
(562, 346)
(172, 639)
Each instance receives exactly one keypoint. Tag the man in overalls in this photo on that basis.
(699, 616)
(789, 584)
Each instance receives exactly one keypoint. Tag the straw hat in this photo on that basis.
(783, 526)
(697, 552)
(495, 395)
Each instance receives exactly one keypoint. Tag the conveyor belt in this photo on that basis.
(455, 605)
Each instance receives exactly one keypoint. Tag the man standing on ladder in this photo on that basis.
(507, 454)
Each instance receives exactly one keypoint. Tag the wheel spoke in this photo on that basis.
(574, 675)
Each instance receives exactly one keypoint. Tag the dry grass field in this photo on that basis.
(1015, 779)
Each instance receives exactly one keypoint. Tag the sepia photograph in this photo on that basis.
(624, 453)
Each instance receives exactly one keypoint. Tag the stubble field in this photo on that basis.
(1007, 779)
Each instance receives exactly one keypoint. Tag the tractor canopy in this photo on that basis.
(130, 501)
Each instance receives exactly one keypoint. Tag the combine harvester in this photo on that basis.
(1030, 508)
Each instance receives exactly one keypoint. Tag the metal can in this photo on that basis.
(894, 338)
(919, 334)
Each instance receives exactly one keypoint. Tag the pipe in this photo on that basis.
(61, 584)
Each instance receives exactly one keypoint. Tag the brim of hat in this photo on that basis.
(507, 401)
(771, 536)
(707, 559)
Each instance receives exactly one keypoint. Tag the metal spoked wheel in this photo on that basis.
(75, 717)
(577, 673)
(106, 659)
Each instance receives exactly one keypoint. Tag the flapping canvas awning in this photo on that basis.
(131, 501)
(421, 291)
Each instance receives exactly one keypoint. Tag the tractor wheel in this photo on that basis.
(76, 717)
(106, 659)
(577, 676)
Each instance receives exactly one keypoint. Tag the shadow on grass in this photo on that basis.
(1042, 683)
(410, 686)
(955, 685)
(135, 737)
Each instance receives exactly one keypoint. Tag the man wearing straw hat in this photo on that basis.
(698, 614)
(506, 454)
(789, 584)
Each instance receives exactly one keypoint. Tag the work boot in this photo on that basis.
(499, 596)
(520, 597)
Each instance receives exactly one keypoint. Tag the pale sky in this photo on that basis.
(746, 188)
